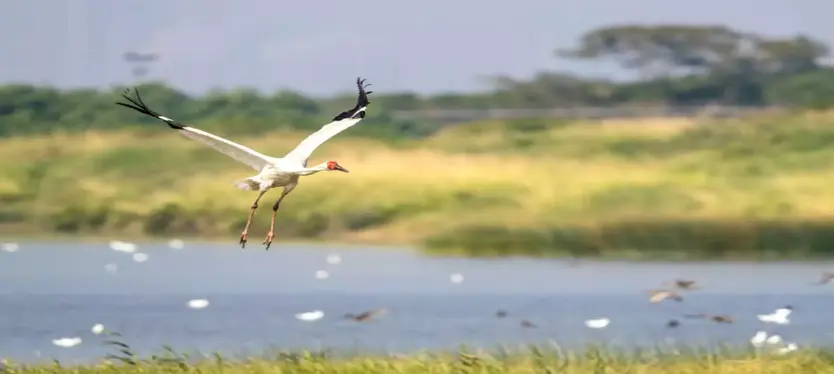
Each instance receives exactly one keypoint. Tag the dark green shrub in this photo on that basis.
(363, 218)
(170, 218)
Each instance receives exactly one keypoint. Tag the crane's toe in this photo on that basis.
(243, 240)
(268, 240)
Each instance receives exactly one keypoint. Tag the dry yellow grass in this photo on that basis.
(533, 361)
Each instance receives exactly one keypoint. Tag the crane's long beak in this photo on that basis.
(340, 168)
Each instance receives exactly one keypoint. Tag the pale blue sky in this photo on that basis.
(319, 46)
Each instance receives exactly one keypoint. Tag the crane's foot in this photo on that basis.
(268, 241)
(243, 240)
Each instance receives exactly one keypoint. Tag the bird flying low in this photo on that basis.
(272, 171)
(367, 316)
(720, 318)
(657, 296)
(779, 316)
(682, 284)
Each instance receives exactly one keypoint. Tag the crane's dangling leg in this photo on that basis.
(271, 234)
(249, 219)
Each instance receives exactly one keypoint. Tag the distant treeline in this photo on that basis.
(679, 65)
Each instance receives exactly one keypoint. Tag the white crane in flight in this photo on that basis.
(272, 171)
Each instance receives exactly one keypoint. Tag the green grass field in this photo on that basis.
(532, 360)
(753, 188)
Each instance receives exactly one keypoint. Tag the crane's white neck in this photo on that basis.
(314, 169)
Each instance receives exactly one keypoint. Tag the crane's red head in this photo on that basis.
(333, 165)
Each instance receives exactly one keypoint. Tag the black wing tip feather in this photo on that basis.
(139, 105)
(361, 101)
(363, 96)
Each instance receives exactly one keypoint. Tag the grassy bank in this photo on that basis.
(534, 360)
(759, 187)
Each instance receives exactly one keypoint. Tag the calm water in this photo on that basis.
(53, 290)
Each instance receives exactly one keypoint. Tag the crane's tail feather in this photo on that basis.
(248, 184)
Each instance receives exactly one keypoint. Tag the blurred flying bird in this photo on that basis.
(272, 171)
(527, 324)
(657, 296)
(139, 57)
(713, 317)
(366, 316)
(683, 284)
(500, 313)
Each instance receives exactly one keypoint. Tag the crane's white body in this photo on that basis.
(277, 174)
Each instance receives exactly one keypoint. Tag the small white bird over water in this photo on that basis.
(774, 339)
(140, 257)
(120, 246)
(97, 329)
(790, 347)
(759, 339)
(272, 171)
(198, 303)
(779, 316)
(67, 342)
(111, 268)
(10, 247)
(322, 274)
(176, 244)
(456, 278)
(599, 323)
(310, 316)
(334, 259)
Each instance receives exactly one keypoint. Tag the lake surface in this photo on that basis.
(54, 290)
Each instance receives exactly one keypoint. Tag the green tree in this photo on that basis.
(675, 49)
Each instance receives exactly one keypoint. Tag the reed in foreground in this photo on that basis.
(532, 360)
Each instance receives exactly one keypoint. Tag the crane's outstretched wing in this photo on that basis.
(340, 123)
(236, 151)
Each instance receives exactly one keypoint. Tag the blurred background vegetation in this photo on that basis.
(482, 182)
